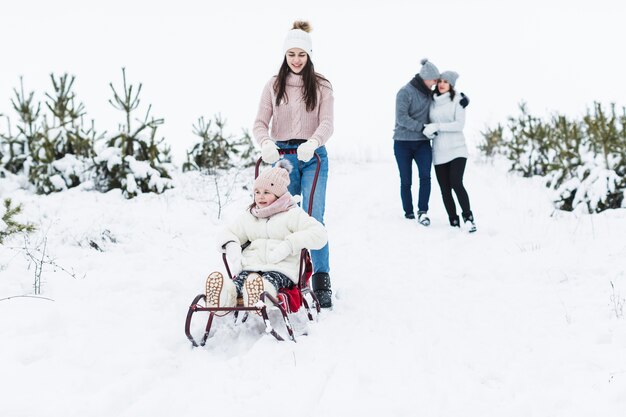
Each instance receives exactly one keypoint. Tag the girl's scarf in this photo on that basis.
(283, 203)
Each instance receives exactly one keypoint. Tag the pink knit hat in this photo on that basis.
(275, 179)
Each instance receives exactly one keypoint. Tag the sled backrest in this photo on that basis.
(317, 173)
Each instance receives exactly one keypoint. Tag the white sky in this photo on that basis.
(198, 58)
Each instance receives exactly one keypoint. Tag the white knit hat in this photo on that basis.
(275, 179)
(298, 37)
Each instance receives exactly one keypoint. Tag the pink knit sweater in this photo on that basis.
(291, 120)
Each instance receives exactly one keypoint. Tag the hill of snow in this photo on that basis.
(523, 318)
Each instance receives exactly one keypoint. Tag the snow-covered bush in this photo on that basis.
(53, 149)
(133, 177)
(133, 159)
(583, 161)
(216, 150)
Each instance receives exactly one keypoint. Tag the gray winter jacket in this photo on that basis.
(412, 108)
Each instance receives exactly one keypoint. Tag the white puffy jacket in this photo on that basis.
(294, 225)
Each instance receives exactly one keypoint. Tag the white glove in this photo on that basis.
(269, 152)
(430, 129)
(307, 149)
(279, 253)
(233, 254)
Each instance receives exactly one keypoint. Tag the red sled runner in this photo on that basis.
(288, 301)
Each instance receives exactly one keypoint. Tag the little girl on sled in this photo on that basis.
(277, 229)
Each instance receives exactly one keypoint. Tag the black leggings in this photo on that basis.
(450, 177)
(275, 278)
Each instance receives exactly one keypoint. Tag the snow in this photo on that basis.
(518, 319)
(113, 156)
(58, 182)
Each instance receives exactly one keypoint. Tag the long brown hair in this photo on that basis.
(310, 78)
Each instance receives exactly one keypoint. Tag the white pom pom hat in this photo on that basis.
(297, 38)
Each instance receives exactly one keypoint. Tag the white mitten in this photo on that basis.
(279, 253)
(307, 149)
(430, 130)
(269, 152)
(233, 254)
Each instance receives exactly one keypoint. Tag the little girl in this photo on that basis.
(276, 229)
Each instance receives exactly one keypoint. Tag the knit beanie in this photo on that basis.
(298, 37)
(449, 76)
(429, 71)
(275, 179)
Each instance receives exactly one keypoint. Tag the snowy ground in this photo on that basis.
(519, 319)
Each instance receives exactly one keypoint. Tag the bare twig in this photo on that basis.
(617, 302)
(26, 296)
(39, 258)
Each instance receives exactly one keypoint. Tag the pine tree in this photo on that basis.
(62, 153)
(68, 115)
(528, 144)
(18, 149)
(216, 150)
(606, 143)
(493, 141)
(583, 161)
(8, 224)
(133, 159)
(54, 150)
(566, 141)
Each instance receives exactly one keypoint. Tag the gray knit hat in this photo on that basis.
(449, 76)
(429, 71)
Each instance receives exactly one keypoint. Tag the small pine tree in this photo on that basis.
(62, 154)
(53, 150)
(583, 161)
(8, 224)
(606, 144)
(68, 115)
(19, 148)
(528, 144)
(133, 159)
(493, 141)
(217, 151)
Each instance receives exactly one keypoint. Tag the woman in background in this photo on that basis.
(447, 116)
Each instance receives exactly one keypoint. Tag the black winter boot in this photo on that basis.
(454, 221)
(320, 284)
(468, 219)
(422, 218)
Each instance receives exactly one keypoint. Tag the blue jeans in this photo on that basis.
(406, 152)
(301, 181)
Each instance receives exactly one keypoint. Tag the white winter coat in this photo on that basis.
(449, 116)
(293, 225)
